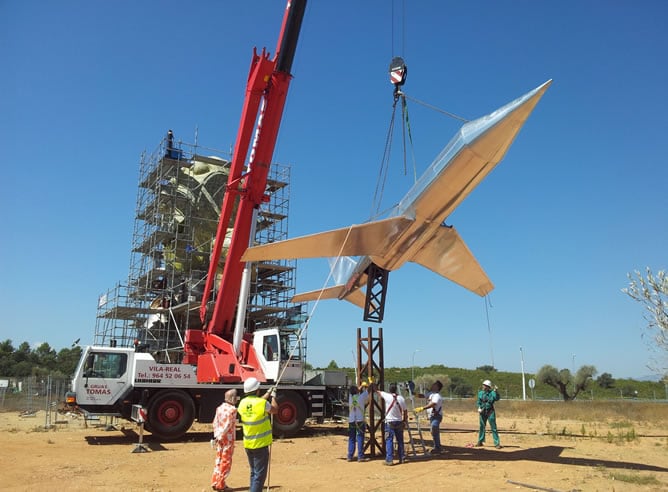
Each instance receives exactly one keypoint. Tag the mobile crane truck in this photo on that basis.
(220, 353)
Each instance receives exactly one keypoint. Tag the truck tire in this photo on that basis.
(291, 413)
(170, 414)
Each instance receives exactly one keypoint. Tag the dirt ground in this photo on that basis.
(539, 453)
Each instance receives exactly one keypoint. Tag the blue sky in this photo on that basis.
(579, 201)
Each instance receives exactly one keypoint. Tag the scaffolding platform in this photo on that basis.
(180, 190)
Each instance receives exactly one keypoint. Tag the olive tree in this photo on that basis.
(606, 381)
(424, 381)
(652, 292)
(563, 380)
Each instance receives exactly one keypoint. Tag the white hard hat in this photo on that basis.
(487, 382)
(250, 385)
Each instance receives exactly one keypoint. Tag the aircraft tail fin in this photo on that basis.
(356, 296)
(327, 293)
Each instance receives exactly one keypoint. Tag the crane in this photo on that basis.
(220, 351)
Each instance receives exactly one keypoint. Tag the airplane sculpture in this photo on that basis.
(415, 230)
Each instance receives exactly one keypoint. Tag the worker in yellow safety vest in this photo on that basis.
(254, 411)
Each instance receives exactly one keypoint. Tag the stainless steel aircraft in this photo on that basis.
(415, 229)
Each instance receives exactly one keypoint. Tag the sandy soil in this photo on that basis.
(537, 454)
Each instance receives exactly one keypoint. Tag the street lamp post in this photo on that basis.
(413, 364)
(573, 376)
(524, 389)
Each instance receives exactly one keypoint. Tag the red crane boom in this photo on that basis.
(211, 349)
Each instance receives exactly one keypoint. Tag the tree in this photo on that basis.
(45, 358)
(332, 364)
(23, 361)
(486, 368)
(23, 369)
(67, 360)
(424, 381)
(629, 391)
(459, 387)
(563, 380)
(6, 358)
(24, 354)
(605, 381)
(652, 292)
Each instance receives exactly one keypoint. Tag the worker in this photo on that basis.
(170, 145)
(357, 401)
(364, 386)
(224, 431)
(486, 398)
(254, 411)
(396, 417)
(435, 413)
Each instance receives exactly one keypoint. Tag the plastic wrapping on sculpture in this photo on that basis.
(466, 134)
(415, 230)
(342, 268)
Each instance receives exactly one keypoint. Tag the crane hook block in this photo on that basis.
(398, 71)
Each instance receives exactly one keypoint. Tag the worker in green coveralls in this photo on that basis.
(486, 398)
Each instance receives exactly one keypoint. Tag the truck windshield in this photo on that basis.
(105, 365)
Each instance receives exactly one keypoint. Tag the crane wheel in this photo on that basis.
(291, 413)
(170, 414)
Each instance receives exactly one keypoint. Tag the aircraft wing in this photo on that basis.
(447, 254)
(370, 239)
(357, 296)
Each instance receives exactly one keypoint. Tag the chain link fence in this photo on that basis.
(31, 394)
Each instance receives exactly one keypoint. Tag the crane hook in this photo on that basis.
(398, 73)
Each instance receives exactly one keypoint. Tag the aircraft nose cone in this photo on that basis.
(490, 136)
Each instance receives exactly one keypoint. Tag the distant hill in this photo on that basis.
(651, 377)
(464, 383)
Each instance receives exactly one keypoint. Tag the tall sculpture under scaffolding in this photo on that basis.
(181, 187)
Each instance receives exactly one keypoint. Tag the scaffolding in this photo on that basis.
(181, 187)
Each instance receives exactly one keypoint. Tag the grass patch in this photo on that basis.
(621, 436)
(621, 412)
(636, 479)
(630, 435)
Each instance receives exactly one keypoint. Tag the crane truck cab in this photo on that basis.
(276, 358)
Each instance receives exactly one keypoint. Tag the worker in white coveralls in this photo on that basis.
(224, 433)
